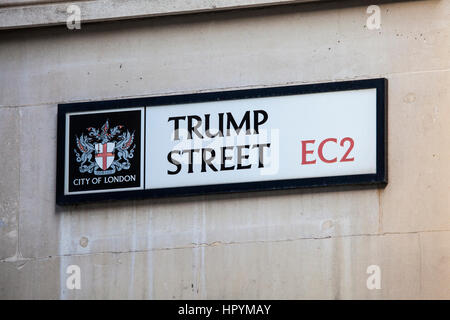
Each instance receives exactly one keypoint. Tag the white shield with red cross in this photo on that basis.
(104, 154)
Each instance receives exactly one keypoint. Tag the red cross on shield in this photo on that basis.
(104, 155)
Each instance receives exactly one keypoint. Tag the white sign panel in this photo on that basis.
(261, 139)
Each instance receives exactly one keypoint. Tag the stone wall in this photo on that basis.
(296, 244)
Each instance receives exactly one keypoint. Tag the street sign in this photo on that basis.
(230, 141)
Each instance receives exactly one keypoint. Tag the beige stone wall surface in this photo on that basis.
(36, 13)
(297, 244)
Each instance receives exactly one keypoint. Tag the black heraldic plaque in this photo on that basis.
(104, 151)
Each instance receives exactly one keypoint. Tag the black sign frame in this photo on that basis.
(379, 179)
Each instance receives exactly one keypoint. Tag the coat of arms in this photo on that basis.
(104, 151)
